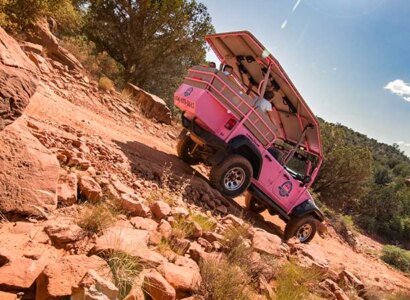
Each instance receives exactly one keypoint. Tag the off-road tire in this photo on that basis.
(184, 145)
(252, 204)
(295, 225)
(219, 172)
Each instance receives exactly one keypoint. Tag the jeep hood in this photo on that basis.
(250, 60)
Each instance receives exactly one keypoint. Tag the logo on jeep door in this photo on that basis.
(285, 189)
(188, 91)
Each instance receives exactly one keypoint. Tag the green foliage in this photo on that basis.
(222, 280)
(155, 41)
(397, 257)
(365, 179)
(96, 218)
(345, 171)
(96, 63)
(105, 84)
(125, 268)
(21, 14)
(295, 282)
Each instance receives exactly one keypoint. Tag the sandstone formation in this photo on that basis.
(18, 80)
(151, 106)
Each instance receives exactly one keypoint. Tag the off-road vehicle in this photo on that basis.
(275, 160)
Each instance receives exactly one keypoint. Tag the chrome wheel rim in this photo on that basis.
(304, 232)
(234, 179)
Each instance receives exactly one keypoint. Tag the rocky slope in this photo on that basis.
(95, 204)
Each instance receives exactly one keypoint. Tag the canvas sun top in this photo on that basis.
(251, 61)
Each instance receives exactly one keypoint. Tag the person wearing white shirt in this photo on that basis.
(265, 104)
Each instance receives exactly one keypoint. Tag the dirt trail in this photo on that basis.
(151, 147)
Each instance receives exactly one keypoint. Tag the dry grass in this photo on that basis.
(182, 228)
(233, 236)
(125, 268)
(295, 282)
(105, 84)
(169, 190)
(206, 223)
(96, 217)
(223, 280)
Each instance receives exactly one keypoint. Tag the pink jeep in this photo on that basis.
(274, 160)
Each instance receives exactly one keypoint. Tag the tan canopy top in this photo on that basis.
(250, 61)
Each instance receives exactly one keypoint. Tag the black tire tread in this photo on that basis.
(218, 170)
(293, 225)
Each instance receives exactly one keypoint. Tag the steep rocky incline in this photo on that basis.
(95, 204)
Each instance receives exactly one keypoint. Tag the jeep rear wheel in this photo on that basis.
(185, 147)
(233, 176)
(304, 228)
(253, 205)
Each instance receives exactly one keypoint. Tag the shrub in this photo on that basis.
(222, 280)
(125, 268)
(96, 218)
(169, 190)
(203, 221)
(21, 15)
(96, 63)
(294, 282)
(105, 84)
(396, 257)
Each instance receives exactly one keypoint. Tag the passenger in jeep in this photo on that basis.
(265, 104)
(227, 70)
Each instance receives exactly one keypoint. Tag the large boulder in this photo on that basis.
(44, 36)
(59, 278)
(151, 105)
(266, 242)
(18, 80)
(28, 173)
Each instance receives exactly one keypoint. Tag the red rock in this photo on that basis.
(30, 47)
(151, 106)
(28, 171)
(121, 239)
(90, 189)
(182, 278)
(266, 242)
(144, 223)
(160, 209)
(157, 287)
(8, 296)
(122, 188)
(131, 241)
(40, 62)
(58, 279)
(62, 234)
(165, 229)
(67, 189)
(18, 80)
(93, 287)
(133, 206)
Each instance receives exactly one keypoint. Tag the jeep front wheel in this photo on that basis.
(185, 147)
(304, 228)
(253, 205)
(233, 176)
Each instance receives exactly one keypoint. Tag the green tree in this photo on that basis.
(21, 14)
(155, 41)
(345, 172)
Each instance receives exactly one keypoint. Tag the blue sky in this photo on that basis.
(350, 59)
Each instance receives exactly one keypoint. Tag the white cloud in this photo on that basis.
(284, 24)
(399, 88)
(400, 143)
(296, 5)
(407, 145)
